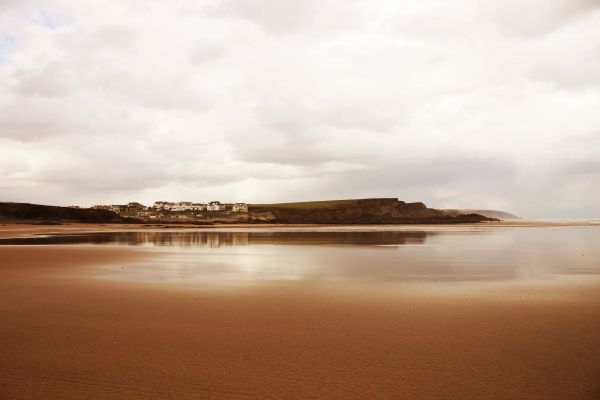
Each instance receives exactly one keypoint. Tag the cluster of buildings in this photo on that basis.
(175, 210)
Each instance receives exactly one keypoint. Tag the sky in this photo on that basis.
(458, 104)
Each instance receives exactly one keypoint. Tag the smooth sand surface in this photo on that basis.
(20, 230)
(67, 337)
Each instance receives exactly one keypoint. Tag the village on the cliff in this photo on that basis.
(175, 210)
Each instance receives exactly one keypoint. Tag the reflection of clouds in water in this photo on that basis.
(443, 254)
(216, 239)
(224, 264)
(498, 255)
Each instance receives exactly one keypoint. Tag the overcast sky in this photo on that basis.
(464, 103)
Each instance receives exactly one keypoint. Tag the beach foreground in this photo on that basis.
(65, 336)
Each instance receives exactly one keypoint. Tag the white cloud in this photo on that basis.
(477, 104)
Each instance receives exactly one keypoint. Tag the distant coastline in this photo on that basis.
(350, 211)
(502, 215)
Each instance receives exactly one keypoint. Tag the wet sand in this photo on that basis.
(19, 230)
(67, 337)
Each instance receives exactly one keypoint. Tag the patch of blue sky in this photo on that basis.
(50, 19)
(7, 42)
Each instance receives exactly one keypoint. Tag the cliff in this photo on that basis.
(25, 212)
(358, 211)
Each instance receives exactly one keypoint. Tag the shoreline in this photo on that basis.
(10, 230)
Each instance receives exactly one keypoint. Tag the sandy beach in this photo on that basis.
(68, 337)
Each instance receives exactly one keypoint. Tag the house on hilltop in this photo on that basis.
(215, 206)
(239, 207)
(197, 207)
(163, 205)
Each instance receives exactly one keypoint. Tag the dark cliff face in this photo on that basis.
(361, 211)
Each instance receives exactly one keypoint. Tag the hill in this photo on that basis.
(25, 212)
(356, 211)
(353, 211)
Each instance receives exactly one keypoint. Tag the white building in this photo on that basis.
(163, 205)
(198, 207)
(239, 207)
(190, 206)
(116, 208)
(215, 206)
(187, 206)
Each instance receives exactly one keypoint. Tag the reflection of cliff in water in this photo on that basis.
(217, 239)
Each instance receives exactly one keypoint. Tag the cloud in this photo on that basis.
(272, 15)
(465, 104)
(538, 17)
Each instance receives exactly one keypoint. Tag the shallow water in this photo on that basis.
(364, 254)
